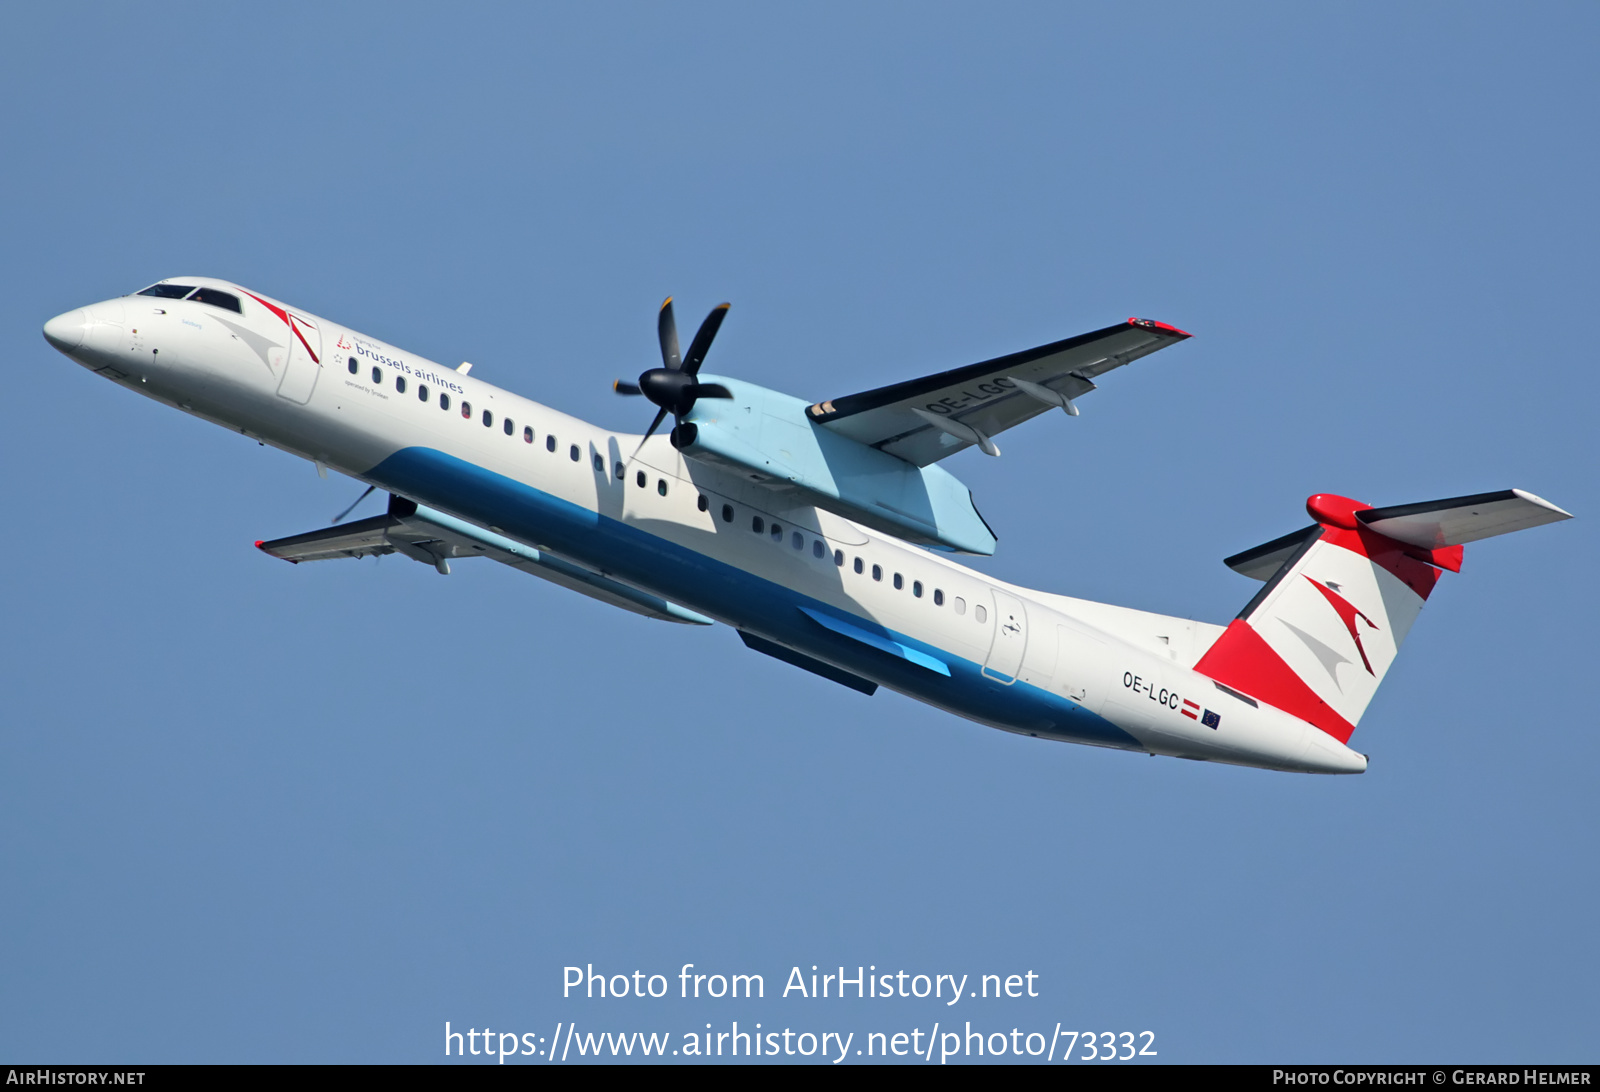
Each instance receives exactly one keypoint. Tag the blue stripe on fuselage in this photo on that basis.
(763, 607)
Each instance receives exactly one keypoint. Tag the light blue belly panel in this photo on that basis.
(764, 607)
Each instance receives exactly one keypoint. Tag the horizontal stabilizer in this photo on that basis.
(1433, 525)
(435, 538)
(1429, 526)
(1263, 562)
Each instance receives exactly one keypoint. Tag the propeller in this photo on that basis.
(673, 386)
(352, 508)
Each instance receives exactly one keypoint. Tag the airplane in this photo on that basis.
(825, 533)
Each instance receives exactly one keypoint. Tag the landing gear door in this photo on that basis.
(1010, 638)
(305, 361)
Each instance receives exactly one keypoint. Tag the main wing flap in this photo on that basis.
(983, 399)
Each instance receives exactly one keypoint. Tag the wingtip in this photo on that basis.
(1165, 327)
(261, 545)
(665, 304)
(1561, 513)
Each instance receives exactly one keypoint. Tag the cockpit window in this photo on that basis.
(226, 300)
(169, 291)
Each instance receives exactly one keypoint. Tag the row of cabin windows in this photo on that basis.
(757, 524)
(819, 550)
(507, 425)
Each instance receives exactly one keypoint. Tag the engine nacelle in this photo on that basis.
(766, 435)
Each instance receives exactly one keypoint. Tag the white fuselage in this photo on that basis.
(909, 619)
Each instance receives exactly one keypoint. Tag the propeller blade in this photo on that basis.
(702, 339)
(352, 508)
(711, 390)
(667, 331)
(624, 387)
(651, 431)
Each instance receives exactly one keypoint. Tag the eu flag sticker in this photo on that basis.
(1210, 720)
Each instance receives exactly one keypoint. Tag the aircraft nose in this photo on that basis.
(65, 331)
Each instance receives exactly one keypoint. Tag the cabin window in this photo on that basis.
(797, 540)
(756, 525)
(354, 367)
(400, 383)
(168, 291)
(621, 472)
(466, 411)
(527, 434)
(639, 479)
(599, 463)
(777, 533)
(838, 558)
(510, 428)
(916, 588)
(549, 442)
(818, 550)
(980, 612)
(488, 419)
(727, 513)
(938, 597)
(661, 486)
(704, 502)
(444, 401)
(377, 376)
(573, 453)
(960, 605)
(877, 572)
(422, 392)
(858, 566)
(225, 300)
(899, 582)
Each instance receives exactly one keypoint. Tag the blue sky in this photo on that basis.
(254, 812)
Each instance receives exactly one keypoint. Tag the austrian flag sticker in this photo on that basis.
(1190, 709)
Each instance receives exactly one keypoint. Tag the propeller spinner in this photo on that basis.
(673, 386)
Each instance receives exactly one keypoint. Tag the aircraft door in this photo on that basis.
(1010, 638)
(305, 361)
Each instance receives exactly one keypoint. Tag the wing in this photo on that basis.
(925, 420)
(434, 538)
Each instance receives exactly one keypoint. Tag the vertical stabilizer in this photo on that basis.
(1319, 637)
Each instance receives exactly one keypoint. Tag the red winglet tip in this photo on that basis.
(1152, 324)
(259, 541)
